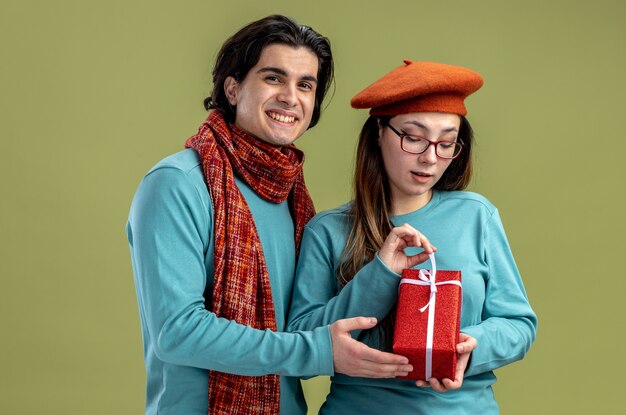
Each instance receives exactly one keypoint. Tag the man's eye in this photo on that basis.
(272, 78)
(306, 85)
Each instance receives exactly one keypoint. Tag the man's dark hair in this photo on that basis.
(243, 50)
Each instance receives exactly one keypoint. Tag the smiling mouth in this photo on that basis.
(281, 118)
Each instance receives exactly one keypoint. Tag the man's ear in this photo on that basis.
(231, 88)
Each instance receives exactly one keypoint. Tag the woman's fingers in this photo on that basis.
(412, 237)
(417, 259)
(392, 252)
(467, 344)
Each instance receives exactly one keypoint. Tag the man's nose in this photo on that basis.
(287, 95)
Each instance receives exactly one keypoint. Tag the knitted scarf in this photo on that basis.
(241, 289)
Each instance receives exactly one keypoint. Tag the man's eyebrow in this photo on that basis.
(422, 126)
(282, 72)
(310, 78)
(273, 69)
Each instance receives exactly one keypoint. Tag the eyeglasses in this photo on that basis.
(415, 144)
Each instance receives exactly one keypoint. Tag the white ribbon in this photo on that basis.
(429, 278)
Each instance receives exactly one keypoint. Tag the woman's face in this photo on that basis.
(412, 176)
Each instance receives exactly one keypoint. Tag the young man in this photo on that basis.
(214, 233)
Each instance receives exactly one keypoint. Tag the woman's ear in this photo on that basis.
(231, 89)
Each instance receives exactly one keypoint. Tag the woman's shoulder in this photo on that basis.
(332, 220)
(467, 199)
(339, 214)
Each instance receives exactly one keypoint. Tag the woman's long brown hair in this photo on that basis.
(371, 206)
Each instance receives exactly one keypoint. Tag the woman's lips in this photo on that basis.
(421, 177)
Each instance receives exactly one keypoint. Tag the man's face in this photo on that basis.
(275, 100)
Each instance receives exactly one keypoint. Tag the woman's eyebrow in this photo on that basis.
(422, 126)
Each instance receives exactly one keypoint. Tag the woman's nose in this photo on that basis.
(430, 155)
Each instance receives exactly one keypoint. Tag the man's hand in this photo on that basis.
(354, 358)
(463, 352)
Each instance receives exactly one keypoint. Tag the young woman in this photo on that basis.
(413, 162)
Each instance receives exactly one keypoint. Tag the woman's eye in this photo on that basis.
(412, 139)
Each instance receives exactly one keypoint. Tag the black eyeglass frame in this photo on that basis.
(435, 143)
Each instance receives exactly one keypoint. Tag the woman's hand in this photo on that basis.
(463, 352)
(392, 251)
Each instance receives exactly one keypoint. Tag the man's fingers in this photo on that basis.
(376, 364)
(376, 356)
(364, 367)
(355, 323)
(354, 358)
(374, 370)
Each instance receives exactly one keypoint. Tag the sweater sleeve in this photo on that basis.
(316, 298)
(169, 233)
(508, 324)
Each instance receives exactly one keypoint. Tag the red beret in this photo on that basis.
(419, 87)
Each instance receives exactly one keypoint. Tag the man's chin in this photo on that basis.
(281, 140)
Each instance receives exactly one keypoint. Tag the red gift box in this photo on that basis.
(428, 322)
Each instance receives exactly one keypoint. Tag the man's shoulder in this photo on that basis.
(176, 175)
(185, 161)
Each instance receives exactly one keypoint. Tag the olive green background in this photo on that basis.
(93, 93)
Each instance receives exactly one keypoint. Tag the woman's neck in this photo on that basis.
(404, 205)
